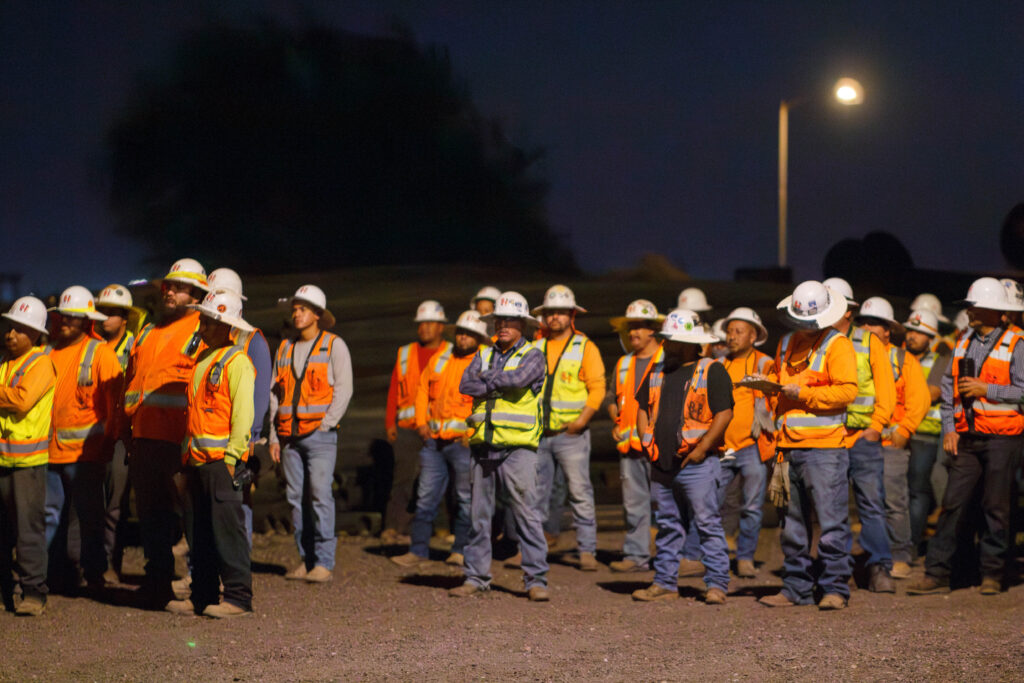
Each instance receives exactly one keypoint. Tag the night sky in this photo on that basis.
(659, 120)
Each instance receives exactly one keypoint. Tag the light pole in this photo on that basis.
(847, 91)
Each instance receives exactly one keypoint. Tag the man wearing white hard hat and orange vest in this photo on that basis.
(982, 425)
(505, 381)
(155, 404)
(400, 415)
(86, 423)
(817, 369)
(573, 393)
(685, 405)
(866, 418)
(216, 445)
(638, 330)
(912, 401)
(312, 390)
(441, 414)
(27, 381)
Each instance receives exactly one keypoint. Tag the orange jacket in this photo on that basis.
(912, 397)
(439, 403)
(161, 362)
(739, 432)
(697, 416)
(989, 417)
(315, 392)
(625, 398)
(86, 402)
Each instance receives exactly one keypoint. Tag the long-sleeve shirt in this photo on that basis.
(885, 387)
(978, 349)
(591, 368)
(530, 373)
(241, 379)
(739, 433)
(339, 376)
(916, 399)
(259, 355)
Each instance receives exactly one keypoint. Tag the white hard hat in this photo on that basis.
(511, 305)
(928, 302)
(1014, 291)
(638, 311)
(486, 293)
(988, 292)
(115, 296)
(471, 322)
(842, 286)
(693, 299)
(28, 311)
(718, 329)
(430, 311)
(77, 302)
(226, 279)
(880, 309)
(682, 325)
(190, 272)
(311, 294)
(749, 315)
(923, 321)
(559, 296)
(961, 322)
(813, 306)
(224, 306)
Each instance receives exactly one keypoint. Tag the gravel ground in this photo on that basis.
(378, 622)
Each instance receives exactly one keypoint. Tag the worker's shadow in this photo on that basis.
(443, 581)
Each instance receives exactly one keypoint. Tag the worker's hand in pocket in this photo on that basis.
(871, 435)
(898, 440)
(424, 432)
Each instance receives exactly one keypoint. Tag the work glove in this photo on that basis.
(762, 421)
(778, 488)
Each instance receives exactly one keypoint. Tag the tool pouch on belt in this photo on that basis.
(778, 487)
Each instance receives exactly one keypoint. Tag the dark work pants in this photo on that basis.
(151, 470)
(403, 482)
(74, 521)
(23, 527)
(215, 528)
(982, 474)
(118, 493)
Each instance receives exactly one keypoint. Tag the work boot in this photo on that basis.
(552, 541)
(297, 574)
(688, 568)
(654, 592)
(880, 581)
(31, 606)
(538, 594)
(714, 596)
(515, 562)
(456, 559)
(407, 560)
(990, 585)
(745, 569)
(777, 600)
(182, 587)
(588, 563)
(226, 610)
(319, 574)
(464, 591)
(929, 585)
(901, 570)
(181, 607)
(832, 601)
(626, 566)
(111, 577)
(389, 537)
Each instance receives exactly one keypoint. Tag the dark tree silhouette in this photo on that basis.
(280, 149)
(877, 264)
(1011, 237)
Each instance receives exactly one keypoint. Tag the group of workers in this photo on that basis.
(851, 399)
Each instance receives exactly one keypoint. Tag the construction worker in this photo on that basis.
(982, 424)
(86, 422)
(912, 403)
(483, 302)
(685, 405)
(922, 328)
(27, 381)
(816, 367)
(693, 299)
(400, 416)
(866, 418)
(161, 361)
(638, 329)
(573, 392)
(441, 414)
(115, 302)
(220, 415)
(929, 302)
(506, 381)
(312, 390)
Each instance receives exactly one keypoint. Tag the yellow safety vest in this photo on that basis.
(25, 439)
(932, 422)
(123, 349)
(565, 394)
(858, 413)
(512, 419)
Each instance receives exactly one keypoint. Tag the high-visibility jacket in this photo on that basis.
(932, 422)
(310, 404)
(122, 348)
(696, 416)
(85, 402)
(565, 393)
(827, 377)
(873, 405)
(161, 362)
(407, 370)
(990, 417)
(912, 398)
(26, 408)
(440, 406)
(210, 406)
(740, 432)
(625, 398)
(511, 420)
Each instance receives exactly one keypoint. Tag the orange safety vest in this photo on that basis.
(697, 414)
(209, 410)
(162, 360)
(791, 420)
(310, 404)
(78, 432)
(448, 407)
(625, 397)
(990, 417)
(765, 440)
(408, 364)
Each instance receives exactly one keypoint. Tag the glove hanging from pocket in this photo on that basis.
(778, 488)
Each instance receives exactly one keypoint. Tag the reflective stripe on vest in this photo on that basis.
(798, 419)
(932, 422)
(565, 394)
(511, 419)
(858, 413)
(25, 439)
(315, 392)
(990, 417)
(209, 410)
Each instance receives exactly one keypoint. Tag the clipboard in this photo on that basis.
(762, 385)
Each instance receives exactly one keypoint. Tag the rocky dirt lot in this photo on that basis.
(378, 622)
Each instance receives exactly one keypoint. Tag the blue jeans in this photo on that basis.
(817, 478)
(435, 457)
(693, 496)
(309, 470)
(748, 465)
(572, 454)
(923, 454)
(867, 473)
(516, 472)
(75, 502)
(635, 473)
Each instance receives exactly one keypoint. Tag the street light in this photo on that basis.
(847, 91)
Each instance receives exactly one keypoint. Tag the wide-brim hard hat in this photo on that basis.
(528, 319)
(210, 310)
(823, 319)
